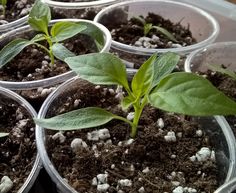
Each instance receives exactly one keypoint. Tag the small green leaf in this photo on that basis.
(12, 49)
(165, 32)
(190, 94)
(147, 27)
(143, 78)
(126, 102)
(164, 65)
(38, 38)
(95, 33)
(61, 52)
(40, 16)
(218, 68)
(4, 3)
(4, 134)
(99, 68)
(65, 29)
(77, 119)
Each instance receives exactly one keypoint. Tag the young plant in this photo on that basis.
(147, 27)
(39, 18)
(153, 84)
(222, 70)
(4, 6)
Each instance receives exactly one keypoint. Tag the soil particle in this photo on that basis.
(147, 162)
(18, 150)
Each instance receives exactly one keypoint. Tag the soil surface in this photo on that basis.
(150, 163)
(228, 86)
(18, 150)
(15, 10)
(33, 63)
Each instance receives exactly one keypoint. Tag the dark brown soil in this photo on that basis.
(18, 150)
(167, 162)
(228, 86)
(14, 9)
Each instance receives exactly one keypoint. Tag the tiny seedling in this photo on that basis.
(39, 18)
(222, 70)
(4, 6)
(147, 27)
(153, 84)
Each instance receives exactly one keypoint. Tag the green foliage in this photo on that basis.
(222, 70)
(3, 134)
(39, 19)
(147, 27)
(153, 84)
(4, 5)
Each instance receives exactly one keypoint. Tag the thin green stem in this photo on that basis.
(123, 119)
(50, 49)
(41, 46)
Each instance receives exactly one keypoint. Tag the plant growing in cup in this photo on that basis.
(220, 69)
(153, 84)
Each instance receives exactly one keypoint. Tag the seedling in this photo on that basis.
(153, 84)
(222, 70)
(39, 18)
(4, 5)
(148, 26)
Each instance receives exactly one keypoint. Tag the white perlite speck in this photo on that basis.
(130, 116)
(203, 154)
(125, 182)
(6, 184)
(170, 137)
(146, 170)
(141, 190)
(199, 133)
(102, 178)
(101, 134)
(94, 181)
(77, 144)
(160, 123)
(178, 189)
(102, 187)
(59, 136)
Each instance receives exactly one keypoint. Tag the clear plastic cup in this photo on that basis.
(37, 164)
(203, 26)
(217, 129)
(5, 38)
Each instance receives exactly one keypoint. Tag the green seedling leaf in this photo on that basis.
(39, 17)
(164, 65)
(165, 32)
(190, 94)
(4, 134)
(38, 38)
(142, 80)
(95, 33)
(99, 68)
(218, 68)
(77, 119)
(64, 30)
(147, 28)
(12, 49)
(61, 52)
(126, 102)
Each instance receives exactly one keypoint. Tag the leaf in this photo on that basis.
(61, 52)
(65, 29)
(4, 134)
(99, 68)
(164, 65)
(218, 68)
(190, 94)
(12, 49)
(40, 16)
(147, 27)
(38, 38)
(126, 102)
(77, 119)
(143, 78)
(165, 32)
(94, 32)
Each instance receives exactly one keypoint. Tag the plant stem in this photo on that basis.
(123, 119)
(50, 49)
(41, 46)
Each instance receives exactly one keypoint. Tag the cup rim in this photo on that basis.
(147, 51)
(78, 5)
(190, 57)
(61, 183)
(26, 85)
(28, 183)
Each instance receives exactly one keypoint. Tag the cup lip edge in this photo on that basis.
(56, 177)
(147, 51)
(14, 85)
(187, 63)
